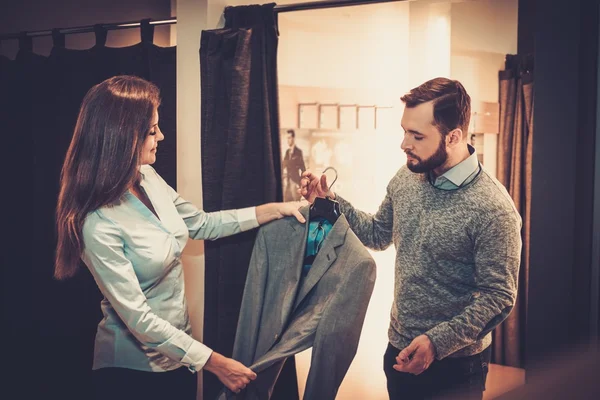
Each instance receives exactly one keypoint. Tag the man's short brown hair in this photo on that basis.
(451, 103)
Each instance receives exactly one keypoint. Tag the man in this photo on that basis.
(293, 164)
(458, 249)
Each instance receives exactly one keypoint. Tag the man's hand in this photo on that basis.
(230, 372)
(312, 186)
(416, 357)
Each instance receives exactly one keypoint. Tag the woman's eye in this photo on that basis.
(152, 133)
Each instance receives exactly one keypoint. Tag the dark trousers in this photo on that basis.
(129, 384)
(451, 378)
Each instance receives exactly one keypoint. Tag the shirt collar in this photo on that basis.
(461, 171)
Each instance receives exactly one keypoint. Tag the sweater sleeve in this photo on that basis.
(497, 251)
(373, 230)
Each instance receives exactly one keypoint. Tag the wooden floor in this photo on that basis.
(502, 379)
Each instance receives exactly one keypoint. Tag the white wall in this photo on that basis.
(430, 28)
(328, 48)
(483, 32)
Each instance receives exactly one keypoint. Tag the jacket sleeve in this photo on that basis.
(113, 272)
(497, 254)
(246, 335)
(214, 225)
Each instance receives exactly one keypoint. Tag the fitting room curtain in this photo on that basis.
(514, 172)
(15, 260)
(56, 321)
(240, 162)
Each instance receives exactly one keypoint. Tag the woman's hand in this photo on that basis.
(230, 372)
(272, 211)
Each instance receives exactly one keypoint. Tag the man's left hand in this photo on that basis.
(416, 357)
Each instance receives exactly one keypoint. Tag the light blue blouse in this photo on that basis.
(135, 259)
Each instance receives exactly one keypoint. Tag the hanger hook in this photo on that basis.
(336, 176)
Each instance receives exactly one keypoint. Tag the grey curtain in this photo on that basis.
(241, 163)
(514, 172)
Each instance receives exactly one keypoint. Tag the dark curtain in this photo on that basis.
(514, 172)
(240, 162)
(57, 320)
(16, 257)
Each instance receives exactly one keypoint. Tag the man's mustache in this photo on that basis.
(408, 153)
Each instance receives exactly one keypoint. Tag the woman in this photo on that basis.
(129, 227)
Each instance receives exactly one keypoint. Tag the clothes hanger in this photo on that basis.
(326, 207)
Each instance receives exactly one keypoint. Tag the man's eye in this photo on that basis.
(418, 138)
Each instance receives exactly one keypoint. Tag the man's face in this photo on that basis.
(290, 140)
(423, 143)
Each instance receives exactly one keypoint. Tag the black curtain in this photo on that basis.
(240, 162)
(17, 199)
(55, 322)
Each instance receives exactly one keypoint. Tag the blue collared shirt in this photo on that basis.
(318, 229)
(135, 259)
(459, 175)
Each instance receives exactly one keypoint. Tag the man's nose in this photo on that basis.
(404, 145)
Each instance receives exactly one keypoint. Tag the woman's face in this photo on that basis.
(151, 142)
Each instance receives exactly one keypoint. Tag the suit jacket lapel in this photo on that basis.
(326, 256)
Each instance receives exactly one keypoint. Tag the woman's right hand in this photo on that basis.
(230, 372)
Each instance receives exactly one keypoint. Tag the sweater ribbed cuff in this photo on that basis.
(443, 339)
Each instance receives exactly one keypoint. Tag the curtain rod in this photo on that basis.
(88, 28)
(315, 5)
(309, 5)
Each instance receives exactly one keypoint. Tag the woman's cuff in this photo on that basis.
(247, 218)
(197, 356)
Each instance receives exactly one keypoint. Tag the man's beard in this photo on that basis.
(436, 160)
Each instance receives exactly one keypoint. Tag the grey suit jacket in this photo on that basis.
(282, 314)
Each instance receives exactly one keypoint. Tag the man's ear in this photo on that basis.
(454, 137)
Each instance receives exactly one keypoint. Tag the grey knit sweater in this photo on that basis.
(457, 259)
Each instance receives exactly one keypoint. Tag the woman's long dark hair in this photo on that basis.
(103, 158)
